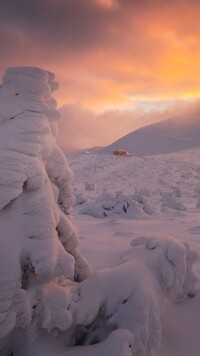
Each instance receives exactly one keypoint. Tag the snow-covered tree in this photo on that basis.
(48, 293)
(38, 241)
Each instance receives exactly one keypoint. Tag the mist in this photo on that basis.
(82, 128)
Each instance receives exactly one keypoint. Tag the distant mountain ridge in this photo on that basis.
(166, 136)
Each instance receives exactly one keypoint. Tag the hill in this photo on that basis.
(167, 136)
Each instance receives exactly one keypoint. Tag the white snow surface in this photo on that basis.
(171, 135)
(138, 223)
(145, 264)
(169, 186)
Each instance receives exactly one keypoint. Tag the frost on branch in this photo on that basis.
(38, 240)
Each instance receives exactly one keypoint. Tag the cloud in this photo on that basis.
(66, 23)
(83, 128)
(106, 52)
(133, 61)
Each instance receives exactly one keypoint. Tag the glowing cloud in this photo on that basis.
(107, 53)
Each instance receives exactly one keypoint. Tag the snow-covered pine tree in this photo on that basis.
(38, 239)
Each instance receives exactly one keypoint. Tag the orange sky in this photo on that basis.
(108, 55)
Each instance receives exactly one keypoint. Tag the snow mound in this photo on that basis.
(132, 295)
(172, 200)
(171, 260)
(134, 206)
(118, 343)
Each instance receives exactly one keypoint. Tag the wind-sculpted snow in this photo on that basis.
(132, 295)
(118, 343)
(27, 139)
(135, 188)
(38, 239)
(128, 206)
(172, 262)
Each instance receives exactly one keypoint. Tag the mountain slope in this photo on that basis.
(167, 136)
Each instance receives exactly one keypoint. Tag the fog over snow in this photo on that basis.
(125, 281)
(82, 128)
(171, 135)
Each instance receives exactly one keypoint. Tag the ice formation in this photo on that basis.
(38, 238)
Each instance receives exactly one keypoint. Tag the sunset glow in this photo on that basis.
(107, 54)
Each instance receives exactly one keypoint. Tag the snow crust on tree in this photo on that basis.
(38, 237)
(135, 206)
(132, 296)
(51, 303)
(119, 343)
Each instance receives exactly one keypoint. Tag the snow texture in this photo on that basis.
(160, 244)
(38, 237)
(128, 206)
(132, 296)
(118, 343)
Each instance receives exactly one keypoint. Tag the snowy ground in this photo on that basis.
(159, 196)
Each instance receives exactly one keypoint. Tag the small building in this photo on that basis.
(121, 152)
